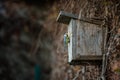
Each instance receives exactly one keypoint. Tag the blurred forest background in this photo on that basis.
(30, 35)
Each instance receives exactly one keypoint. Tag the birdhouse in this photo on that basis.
(86, 39)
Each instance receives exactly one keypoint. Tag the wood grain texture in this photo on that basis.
(72, 34)
(86, 41)
(90, 39)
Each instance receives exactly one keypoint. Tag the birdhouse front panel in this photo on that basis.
(86, 41)
(72, 36)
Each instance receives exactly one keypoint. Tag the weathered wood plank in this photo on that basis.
(72, 45)
(89, 57)
(92, 21)
(89, 38)
(65, 17)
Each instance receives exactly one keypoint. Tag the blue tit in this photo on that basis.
(65, 38)
(65, 45)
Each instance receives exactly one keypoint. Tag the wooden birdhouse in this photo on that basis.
(87, 39)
